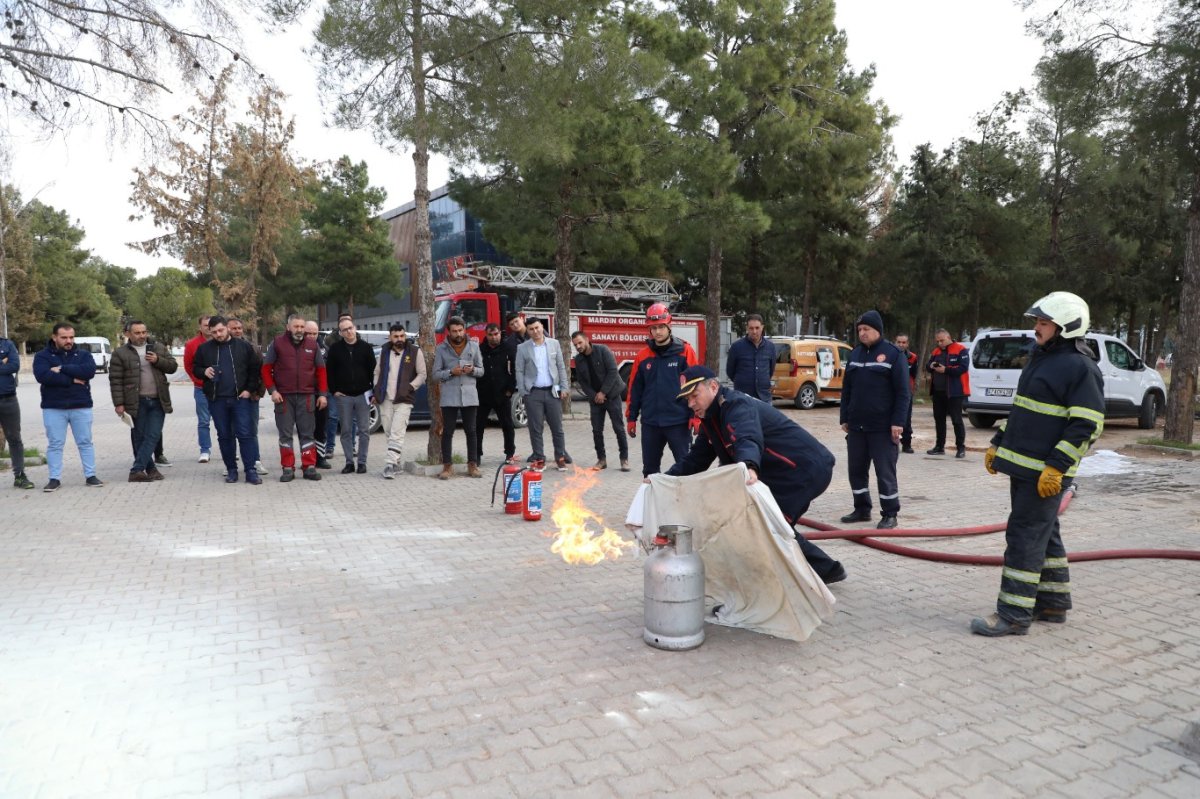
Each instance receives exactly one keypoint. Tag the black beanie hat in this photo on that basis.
(871, 319)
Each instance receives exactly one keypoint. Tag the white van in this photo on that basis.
(1131, 390)
(99, 347)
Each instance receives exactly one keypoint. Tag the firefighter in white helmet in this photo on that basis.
(1057, 413)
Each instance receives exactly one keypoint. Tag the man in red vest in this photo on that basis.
(293, 373)
(203, 416)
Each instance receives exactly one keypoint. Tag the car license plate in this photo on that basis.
(998, 392)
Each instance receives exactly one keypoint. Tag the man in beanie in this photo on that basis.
(875, 404)
(737, 429)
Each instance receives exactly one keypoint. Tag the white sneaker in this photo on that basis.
(203, 457)
(389, 472)
(258, 467)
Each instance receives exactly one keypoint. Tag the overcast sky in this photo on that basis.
(939, 62)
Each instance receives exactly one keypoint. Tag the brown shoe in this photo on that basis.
(600, 465)
(473, 471)
(447, 472)
(624, 465)
(139, 477)
(154, 474)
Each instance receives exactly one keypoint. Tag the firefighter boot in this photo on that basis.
(447, 472)
(994, 626)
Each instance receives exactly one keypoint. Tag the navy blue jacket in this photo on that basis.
(751, 368)
(788, 460)
(1056, 415)
(59, 389)
(10, 364)
(875, 393)
(654, 383)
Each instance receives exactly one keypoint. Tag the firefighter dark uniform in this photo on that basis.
(949, 388)
(786, 457)
(1057, 413)
(875, 398)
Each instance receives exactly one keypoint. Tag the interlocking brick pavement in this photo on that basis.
(364, 638)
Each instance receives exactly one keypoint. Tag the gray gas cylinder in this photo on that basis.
(674, 601)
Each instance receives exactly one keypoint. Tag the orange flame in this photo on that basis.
(577, 539)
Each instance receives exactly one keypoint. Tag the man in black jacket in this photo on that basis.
(597, 375)
(350, 364)
(735, 428)
(497, 386)
(232, 375)
(875, 404)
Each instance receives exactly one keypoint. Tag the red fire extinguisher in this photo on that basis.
(514, 488)
(531, 480)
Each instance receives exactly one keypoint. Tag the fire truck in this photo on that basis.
(482, 293)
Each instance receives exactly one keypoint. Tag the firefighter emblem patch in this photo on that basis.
(880, 358)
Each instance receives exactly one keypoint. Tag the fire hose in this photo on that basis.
(870, 538)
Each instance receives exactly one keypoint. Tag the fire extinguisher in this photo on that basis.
(512, 487)
(531, 480)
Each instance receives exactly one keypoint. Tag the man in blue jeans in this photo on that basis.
(232, 374)
(65, 374)
(137, 379)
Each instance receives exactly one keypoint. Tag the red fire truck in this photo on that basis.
(485, 293)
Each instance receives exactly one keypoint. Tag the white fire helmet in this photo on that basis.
(1064, 309)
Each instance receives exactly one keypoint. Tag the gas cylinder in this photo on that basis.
(531, 484)
(514, 495)
(674, 591)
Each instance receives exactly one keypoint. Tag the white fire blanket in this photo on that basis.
(754, 573)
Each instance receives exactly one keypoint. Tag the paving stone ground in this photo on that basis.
(364, 638)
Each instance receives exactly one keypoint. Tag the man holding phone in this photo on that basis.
(457, 365)
(137, 380)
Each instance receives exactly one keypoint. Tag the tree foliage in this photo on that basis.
(225, 195)
(65, 60)
(169, 301)
(342, 254)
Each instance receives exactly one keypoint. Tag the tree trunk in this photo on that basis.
(1181, 397)
(753, 275)
(712, 334)
(423, 236)
(1134, 338)
(564, 262)
(806, 303)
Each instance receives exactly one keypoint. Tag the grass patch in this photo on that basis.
(1158, 442)
(30, 452)
(455, 458)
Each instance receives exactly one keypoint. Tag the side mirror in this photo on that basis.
(1138, 364)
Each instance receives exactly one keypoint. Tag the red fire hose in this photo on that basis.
(869, 538)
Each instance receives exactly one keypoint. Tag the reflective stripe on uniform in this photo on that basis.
(1004, 453)
(1017, 601)
(1040, 407)
(890, 496)
(1071, 451)
(1054, 588)
(1022, 576)
(860, 491)
(1081, 412)
(1055, 563)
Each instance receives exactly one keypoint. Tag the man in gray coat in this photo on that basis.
(457, 364)
(597, 375)
(541, 379)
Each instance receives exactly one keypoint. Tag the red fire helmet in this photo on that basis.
(658, 314)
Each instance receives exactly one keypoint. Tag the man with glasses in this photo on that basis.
(350, 362)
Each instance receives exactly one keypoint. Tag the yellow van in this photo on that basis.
(809, 369)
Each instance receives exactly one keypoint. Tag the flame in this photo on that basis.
(582, 536)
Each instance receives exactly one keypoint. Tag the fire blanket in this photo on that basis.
(754, 574)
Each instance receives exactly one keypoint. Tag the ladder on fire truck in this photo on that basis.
(622, 287)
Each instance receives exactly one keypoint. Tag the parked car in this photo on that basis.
(99, 347)
(1131, 389)
(809, 369)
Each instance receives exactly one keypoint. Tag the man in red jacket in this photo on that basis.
(293, 373)
(654, 389)
(203, 417)
(949, 387)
